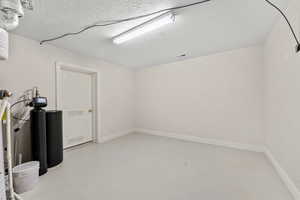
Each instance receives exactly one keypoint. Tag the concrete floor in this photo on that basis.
(144, 167)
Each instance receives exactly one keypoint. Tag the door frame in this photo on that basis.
(59, 67)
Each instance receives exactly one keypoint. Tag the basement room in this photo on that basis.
(149, 99)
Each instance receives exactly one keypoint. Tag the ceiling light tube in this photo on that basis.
(155, 23)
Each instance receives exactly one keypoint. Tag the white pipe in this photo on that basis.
(17, 197)
(9, 150)
(5, 108)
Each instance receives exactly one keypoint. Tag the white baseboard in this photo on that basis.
(107, 138)
(190, 138)
(289, 183)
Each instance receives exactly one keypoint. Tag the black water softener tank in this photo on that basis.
(54, 124)
(38, 133)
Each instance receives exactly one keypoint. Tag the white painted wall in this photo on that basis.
(217, 97)
(283, 94)
(31, 65)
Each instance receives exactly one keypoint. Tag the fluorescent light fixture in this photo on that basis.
(155, 23)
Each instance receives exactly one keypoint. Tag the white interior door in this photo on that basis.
(76, 103)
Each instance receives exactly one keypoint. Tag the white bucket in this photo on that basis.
(26, 176)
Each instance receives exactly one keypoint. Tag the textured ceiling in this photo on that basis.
(213, 27)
